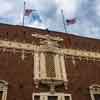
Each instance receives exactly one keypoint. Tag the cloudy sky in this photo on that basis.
(86, 12)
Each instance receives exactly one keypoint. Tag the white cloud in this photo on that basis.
(87, 13)
(5, 7)
(98, 8)
(69, 6)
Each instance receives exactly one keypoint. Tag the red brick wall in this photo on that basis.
(19, 73)
(81, 75)
(19, 33)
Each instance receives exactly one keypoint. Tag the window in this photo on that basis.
(97, 96)
(3, 90)
(48, 96)
(48, 65)
(1, 95)
(36, 97)
(95, 92)
(52, 98)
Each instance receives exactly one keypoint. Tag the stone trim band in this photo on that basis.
(31, 47)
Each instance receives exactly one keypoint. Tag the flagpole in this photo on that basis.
(23, 13)
(63, 20)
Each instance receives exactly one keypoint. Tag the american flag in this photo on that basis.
(32, 14)
(71, 21)
(28, 12)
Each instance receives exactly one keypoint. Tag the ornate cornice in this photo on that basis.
(47, 37)
(42, 48)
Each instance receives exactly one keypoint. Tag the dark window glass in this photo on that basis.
(0, 95)
(52, 97)
(67, 98)
(97, 96)
(50, 66)
(36, 97)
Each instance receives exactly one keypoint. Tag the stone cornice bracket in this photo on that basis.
(48, 40)
(36, 83)
(52, 84)
(47, 37)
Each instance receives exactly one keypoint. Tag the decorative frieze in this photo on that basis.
(47, 37)
(30, 47)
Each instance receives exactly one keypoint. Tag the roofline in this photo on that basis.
(50, 31)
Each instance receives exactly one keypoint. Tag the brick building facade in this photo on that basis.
(45, 65)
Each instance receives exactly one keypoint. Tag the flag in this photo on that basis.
(71, 21)
(28, 12)
(35, 16)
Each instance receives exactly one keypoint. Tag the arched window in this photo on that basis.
(95, 92)
(3, 89)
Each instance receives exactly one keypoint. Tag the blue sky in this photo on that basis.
(86, 12)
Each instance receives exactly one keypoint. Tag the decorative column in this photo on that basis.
(42, 66)
(60, 97)
(57, 67)
(36, 65)
(36, 69)
(43, 97)
(64, 73)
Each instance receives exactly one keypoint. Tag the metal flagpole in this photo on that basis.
(63, 19)
(23, 13)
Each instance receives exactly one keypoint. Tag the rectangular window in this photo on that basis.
(36, 97)
(52, 97)
(48, 96)
(50, 66)
(67, 98)
(1, 95)
(97, 96)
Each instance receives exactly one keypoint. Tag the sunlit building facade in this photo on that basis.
(40, 64)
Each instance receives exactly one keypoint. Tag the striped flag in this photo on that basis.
(28, 12)
(71, 21)
(31, 13)
(36, 16)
